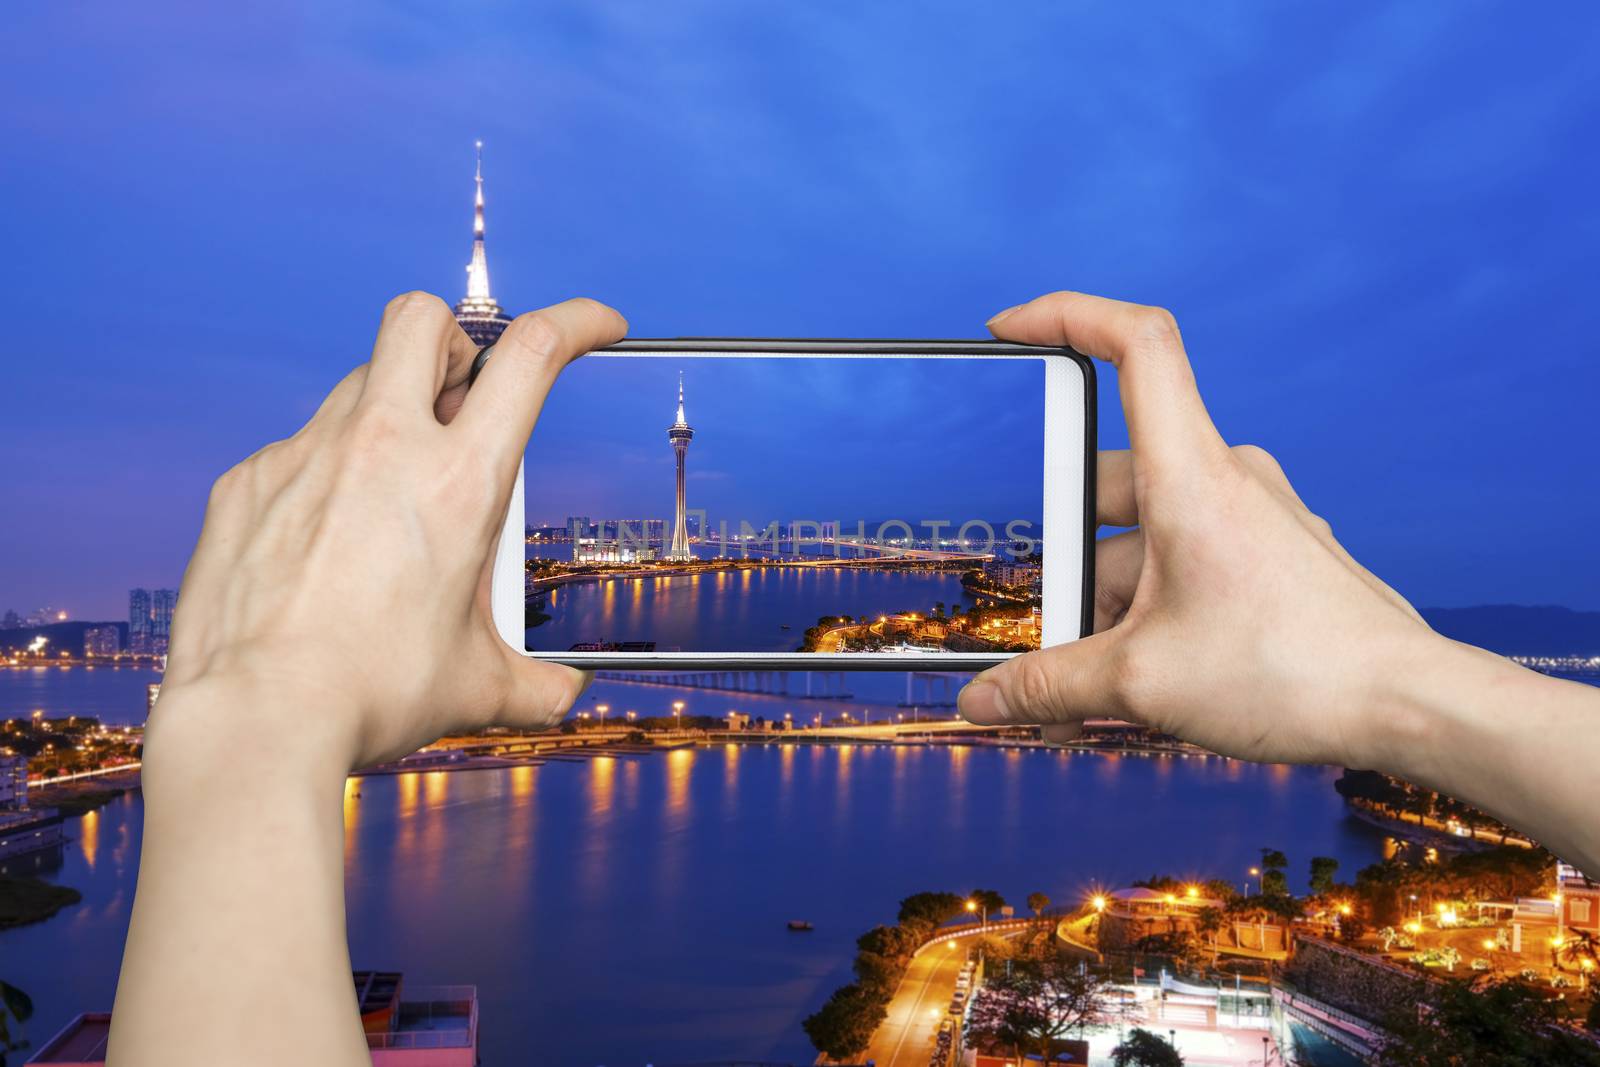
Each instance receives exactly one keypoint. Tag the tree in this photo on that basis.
(15, 1006)
(1037, 1002)
(1323, 869)
(878, 974)
(1144, 1049)
(1506, 1024)
(992, 948)
(843, 1027)
(1273, 880)
(932, 909)
(1579, 950)
(1038, 902)
(895, 942)
(987, 899)
(1208, 923)
(1005, 1012)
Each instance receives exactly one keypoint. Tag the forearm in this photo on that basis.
(236, 952)
(1519, 745)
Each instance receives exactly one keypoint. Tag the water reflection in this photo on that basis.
(436, 787)
(663, 881)
(408, 794)
(602, 783)
(89, 836)
(630, 785)
(680, 762)
(730, 772)
(720, 610)
(847, 754)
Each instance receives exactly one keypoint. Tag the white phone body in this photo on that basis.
(1067, 496)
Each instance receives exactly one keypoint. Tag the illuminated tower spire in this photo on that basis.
(680, 435)
(479, 315)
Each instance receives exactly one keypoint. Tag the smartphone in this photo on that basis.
(798, 504)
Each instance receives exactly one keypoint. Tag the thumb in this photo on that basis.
(1064, 684)
(540, 694)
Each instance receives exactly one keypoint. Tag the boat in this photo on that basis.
(799, 924)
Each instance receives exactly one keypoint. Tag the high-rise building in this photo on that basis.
(479, 315)
(163, 602)
(150, 620)
(101, 641)
(680, 435)
(139, 620)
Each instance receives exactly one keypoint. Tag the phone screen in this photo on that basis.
(761, 504)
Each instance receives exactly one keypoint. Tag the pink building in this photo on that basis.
(1579, 901)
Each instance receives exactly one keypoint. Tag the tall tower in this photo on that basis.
(477, 312)
(680, 435)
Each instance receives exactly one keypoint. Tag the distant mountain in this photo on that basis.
(1514, 630)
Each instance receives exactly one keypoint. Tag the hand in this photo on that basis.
(348, 568)
(1230, 617)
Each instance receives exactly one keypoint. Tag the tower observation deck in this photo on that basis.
(479, 315)
(680, 434)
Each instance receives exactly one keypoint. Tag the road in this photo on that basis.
(921, 1000)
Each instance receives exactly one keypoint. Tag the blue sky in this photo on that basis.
(1377, 226)
(779, 440)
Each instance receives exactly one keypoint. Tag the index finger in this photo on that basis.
(1167, 421)
(504, 403)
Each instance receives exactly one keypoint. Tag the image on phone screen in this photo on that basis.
(787, 504)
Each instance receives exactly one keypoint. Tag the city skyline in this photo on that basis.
(1354, 285)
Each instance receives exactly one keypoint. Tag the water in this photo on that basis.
(631, 910)
(114, 695)
(734, 611)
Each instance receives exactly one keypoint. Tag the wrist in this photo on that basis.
(244, 733)
(1434, 697)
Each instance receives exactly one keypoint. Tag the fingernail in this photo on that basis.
(982, 703)
(1058, 736)
(1003, 314)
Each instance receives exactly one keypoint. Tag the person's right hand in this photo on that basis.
(1230, 617)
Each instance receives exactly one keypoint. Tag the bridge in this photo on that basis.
(924, 689)
(819, 685)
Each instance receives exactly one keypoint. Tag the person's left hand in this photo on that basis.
(338, 600)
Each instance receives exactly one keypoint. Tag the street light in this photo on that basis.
(1255, 872)
(677, 714)
(602, 709)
